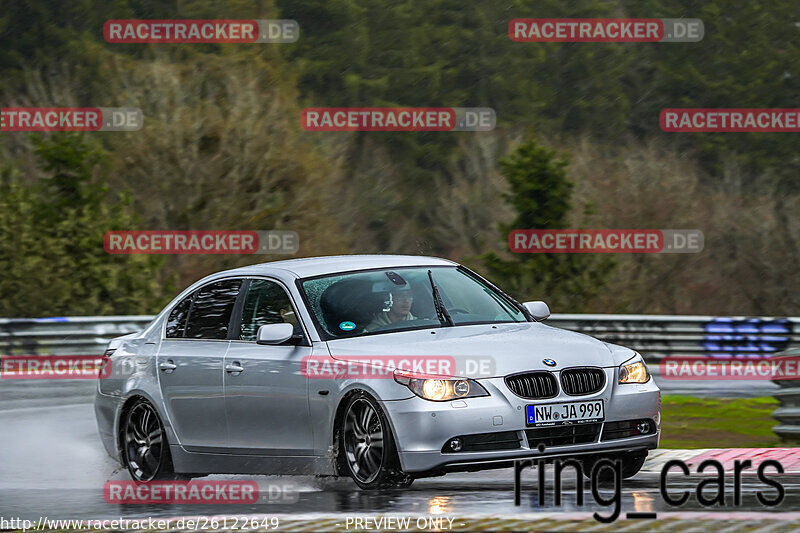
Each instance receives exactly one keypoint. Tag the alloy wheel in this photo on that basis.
(363, 440)
(144, 442)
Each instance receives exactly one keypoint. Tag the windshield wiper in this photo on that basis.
(441, 310)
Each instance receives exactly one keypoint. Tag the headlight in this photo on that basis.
(440, 390)
(634, 371)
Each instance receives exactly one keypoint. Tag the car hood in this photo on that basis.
(508, 348)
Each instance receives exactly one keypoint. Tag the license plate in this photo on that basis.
(559, 414)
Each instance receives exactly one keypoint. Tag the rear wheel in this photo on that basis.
(367, 451)
(145, 450)
(631, 463)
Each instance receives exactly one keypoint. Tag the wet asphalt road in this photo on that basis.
(52, 464)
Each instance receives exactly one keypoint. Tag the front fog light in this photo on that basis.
(643, 427)
(456, 444)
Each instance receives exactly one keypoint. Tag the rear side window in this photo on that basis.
(211, 310)
(176, 323)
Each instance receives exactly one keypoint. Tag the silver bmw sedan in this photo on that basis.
(378, 367)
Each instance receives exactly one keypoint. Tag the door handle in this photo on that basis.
(234, 368)
(168, 366)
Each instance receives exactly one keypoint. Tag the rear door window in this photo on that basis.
(210, 313)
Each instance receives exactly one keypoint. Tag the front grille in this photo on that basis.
(625, 429)
(484, 442)
(563, 435)
(579, 381)
(533, 385)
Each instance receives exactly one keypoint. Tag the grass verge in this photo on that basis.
(689, 422)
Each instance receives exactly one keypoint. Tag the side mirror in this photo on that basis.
(537, 309)
(274, 333)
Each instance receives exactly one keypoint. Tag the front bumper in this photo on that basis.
(421, 427)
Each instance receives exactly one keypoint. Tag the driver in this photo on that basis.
(288, 315)
(397, 309)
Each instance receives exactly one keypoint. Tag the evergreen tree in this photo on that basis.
(51, 240)
(540, 195)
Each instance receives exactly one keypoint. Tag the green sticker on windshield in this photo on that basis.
(347, 325)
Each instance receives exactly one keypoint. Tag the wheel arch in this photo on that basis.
(339, 418)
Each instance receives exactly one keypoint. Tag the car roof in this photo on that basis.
(318, 266)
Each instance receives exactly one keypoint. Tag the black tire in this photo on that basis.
(145, 450)
(631, 464)
(366, 448)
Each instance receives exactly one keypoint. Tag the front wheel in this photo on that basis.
(367, 451)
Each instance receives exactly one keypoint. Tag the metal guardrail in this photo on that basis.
(655, 336)
(788, 412)
(82, 335)
(658, 336)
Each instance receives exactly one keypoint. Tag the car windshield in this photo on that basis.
(382, 301)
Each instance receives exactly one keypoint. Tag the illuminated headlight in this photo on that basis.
(634, 371)
(440, 390)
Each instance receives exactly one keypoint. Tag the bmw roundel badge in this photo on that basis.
(549, 362)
